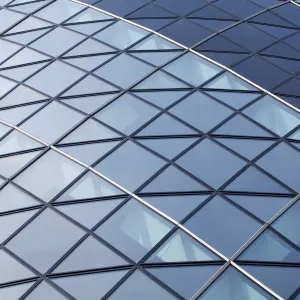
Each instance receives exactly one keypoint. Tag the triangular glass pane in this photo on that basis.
(7, 49)
(295, 135)
(134, 229)
(235, 100)
(140, 286)
(26, 37)
(29, 8)
(272, 277)
(89, 14)
(228, 81)
(161, 99)
(154, 42)
(160, 80)
(89, 213)
(194, 277)
(166, 125)
(232, 285)
(4, 129)
(90, 103)
(10, 223)
(90, 286)
(90, 254)
(46, 292)
(240, 126)
(264, 207)
(156, 58)
(89, 85)
(25, 56)
(12, 198)
(90, 47)
(269, 247)
(14, 292)
(21, 73)
(28, 24)
(11, 164)
(180, 247)
(89, 186)
(17, 141)
(253, 180)
(88, 28)
(21, 95)
(248, 148)
(173, 180)
(89, 153)
(89, 63)
(168, 148)
(90, 130)
(176, 207)
(9, 263)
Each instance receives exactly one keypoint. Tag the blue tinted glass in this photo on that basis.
(216, 223)
(119, 8)
(200, 159)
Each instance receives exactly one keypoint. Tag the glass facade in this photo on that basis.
(149, 150)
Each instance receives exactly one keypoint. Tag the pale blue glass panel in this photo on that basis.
(155, 42)
(14, 292)
(46, 292)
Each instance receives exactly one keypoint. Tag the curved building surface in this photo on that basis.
(156, 162)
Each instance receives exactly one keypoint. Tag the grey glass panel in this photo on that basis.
(201, 111)
(288, 224)
(240, 126)
(287, 164)
(161, 99)
(11, 269)
(121, 34)
(264, 207)
(55, 235)
(89, 28)
(166, 125)
(232, 285)
(63, 40)
(17, 141)
(236, 100)
(134, 229)
(7, 49)
(28, 24)
(6, 85)
(26, 37)
(155, 42)
(194, 278)
(253, 180)
(89, 14)
(90, 130)
(90, 62)
(222, 234)
(181, 247)
(8, 18)
(270, 247)
(126, 114)
(176, 207)
(10, 223)
(132, 70)
(272, 277)
(140, 286)
(160, 80)
(89, 213)
(248, 148)
(59, 11)
(29, 8)
(9, 165)
(49, 175)
(130, 165)
(173, 180)
(156, 58)
(89, 153)
(4, 129)
(59, 116)
(14, 292)
(62, 76)
(20, 95)
(274, 115)
(46, 292)
(90, 254)
(228, 81)
(200, 159)
(89, 104)
(295, 135)
(168, 148)
(12, 198)
(192, 69)
(90, 286)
